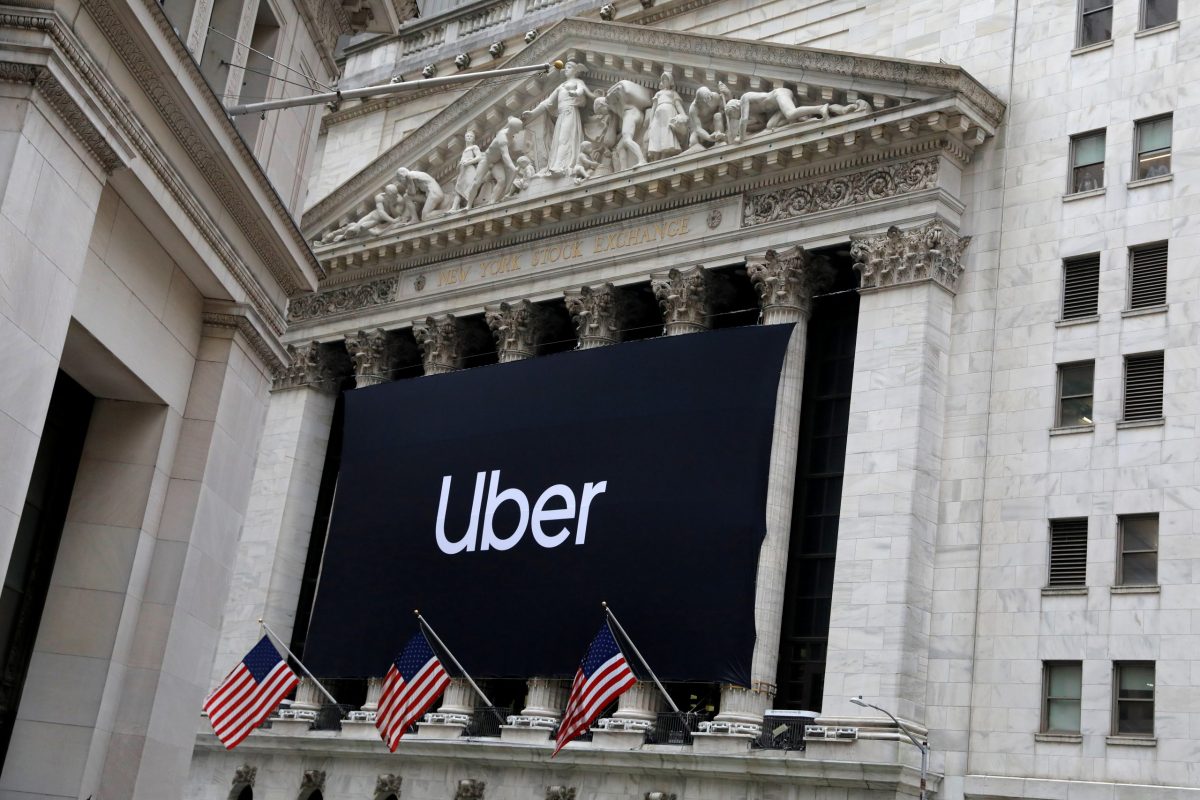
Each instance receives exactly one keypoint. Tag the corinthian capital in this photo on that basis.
(595, 310)
(929, 252)
(307, 366)
(517, 327)
(370, 353)
(441, 344)
(684, 298)
(785, 280)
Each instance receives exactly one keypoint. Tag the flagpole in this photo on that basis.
(429, 628)
(641, 658)
(279, 641)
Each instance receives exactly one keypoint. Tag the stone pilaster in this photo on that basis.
(441, 343)
(684, 296)
(306, 367)
(517, 327)
(595, 310)
(371, 355)
(785, 281)
(883, 579)
(544, 702)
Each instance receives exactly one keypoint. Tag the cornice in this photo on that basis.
(663, 11)
(150, 78)
(816, 65)
(126, 120)
(241, 318)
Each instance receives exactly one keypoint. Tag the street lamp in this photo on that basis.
(922, 746)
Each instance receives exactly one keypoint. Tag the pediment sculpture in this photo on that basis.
(579, 132)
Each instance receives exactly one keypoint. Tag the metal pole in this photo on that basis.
(383, 89)
(922, 746)
(279, 641)
(641, 658)
(429, 628)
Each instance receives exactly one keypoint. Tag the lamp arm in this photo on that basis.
(903, 728)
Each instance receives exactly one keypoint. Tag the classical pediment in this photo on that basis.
(734, 117)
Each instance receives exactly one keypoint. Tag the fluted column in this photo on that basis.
(637, 709)
(545, 699)
(370, 353)
(368, 710)
(518, 329)
(596, 312)
(785, 280)
(684, 296)
(441, 344)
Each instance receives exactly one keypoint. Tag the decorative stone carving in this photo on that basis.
(469, 790)
(608, 11)
(306, 367)
(498, 163)
(343, 300)
(387, 785)
(623, 109)
(708, 124)
(530, 35)
(517, 327)
(314, 779)
(440, 342)
(468, 166)
(660, 796)
(371, 355)
(566, 100)
(496, 50)
(827, 194)
(389, 209)
(684, 298)
(929, 252)
(244, 775)
(429, 71)
(666, 124)
(462, 61)
(785, 280)
(419, 188)
(595, 310)
(560, 793)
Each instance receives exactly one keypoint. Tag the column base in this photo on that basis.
(289, 727)
(440, 730)
(525, 734)
(359, 729)
(721, 743)
(616, 739)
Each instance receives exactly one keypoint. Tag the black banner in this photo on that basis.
(507, 502)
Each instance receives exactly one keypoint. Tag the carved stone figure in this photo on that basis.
(388, 210)
(387, 784)
(496, 49)
(560, 793)
(777, 108)
(564, 104)
(624, 107)
(666, 118)
(707, 123)
(468, 165)
(420, 187)
(244, 775)
(589, 157)
(497, 163)
(462, 61)
(469, 790)
(525, 173)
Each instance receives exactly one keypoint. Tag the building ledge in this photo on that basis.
(1067, 323)
(1064, 591)
(1169, 26)
(1140, 182)
(1091, 48)
(1144, 312)
(1067, 430)
(1062, 738)
(1126, 424)
(1073, 196)
(1135, 589)
(1132, 741)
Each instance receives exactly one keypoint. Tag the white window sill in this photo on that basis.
(1064, 738)
(1157, 179)
(1126, 424)
(1168, 26)
(1134, 589)
(1066, 323)
(1091, 48)
(1133, 741)
(1067, 430)
(1067, 198)
(1144, 312)
(1064, 591)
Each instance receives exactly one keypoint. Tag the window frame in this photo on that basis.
(1058, 393)
(1142, 17)
(1118, 578)
(1047, 666)
(1137, 145)
(1080, 14)
(1076, 138)
(1117, 700)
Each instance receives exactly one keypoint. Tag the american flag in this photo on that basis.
(603, 676)
(413, 682)
(249, 694)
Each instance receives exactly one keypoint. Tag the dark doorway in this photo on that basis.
(36, 546)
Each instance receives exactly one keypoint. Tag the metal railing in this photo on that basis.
(484, 721)
(780, 733)
(330, 716)
(672, 728)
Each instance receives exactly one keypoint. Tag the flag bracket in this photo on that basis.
(295, 658)
(425, 626)
(613, 617)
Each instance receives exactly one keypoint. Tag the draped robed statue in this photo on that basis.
(564, 104)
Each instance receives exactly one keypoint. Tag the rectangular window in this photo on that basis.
(1087, 161)
(1075, 394)
(1095, 21)
(1148, 275)
(1143, 386)
(1133, 706)
(1068, 552)
(1062, 684)
(1138, 561)
(1159, 12)
(1153, 147)
(1081, 286)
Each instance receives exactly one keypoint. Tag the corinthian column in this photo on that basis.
(517, 327)
(684, 298)
(883, 578)
(371, 355)
(441, 344)
(595, 310)
(785, 280)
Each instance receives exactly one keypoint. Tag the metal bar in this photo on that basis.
(279, 641)
(641, 658)
(310, 78)
(426, 626)
(383, 89)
